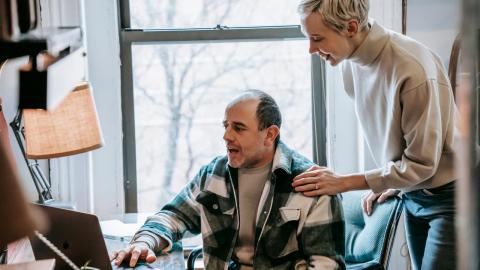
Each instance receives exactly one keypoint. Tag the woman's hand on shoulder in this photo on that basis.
(318, 180)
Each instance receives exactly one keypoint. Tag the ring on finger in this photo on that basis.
(316, 185)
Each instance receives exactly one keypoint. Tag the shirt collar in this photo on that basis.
(282, 158)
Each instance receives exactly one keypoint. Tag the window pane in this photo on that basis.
(181, 92)
(209, 13)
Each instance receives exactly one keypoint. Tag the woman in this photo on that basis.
(404, 104)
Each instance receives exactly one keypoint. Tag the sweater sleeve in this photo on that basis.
(180, 215)
(422, 125)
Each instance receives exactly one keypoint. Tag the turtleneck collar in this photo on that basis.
(371, 46)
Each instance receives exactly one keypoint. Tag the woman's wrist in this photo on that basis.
(355, 182)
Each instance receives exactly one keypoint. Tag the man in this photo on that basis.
(244, 205)
(405, 106)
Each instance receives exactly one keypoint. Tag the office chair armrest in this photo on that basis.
(192, 257)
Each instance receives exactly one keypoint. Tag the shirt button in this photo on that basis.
(264, 212)
(215, 206)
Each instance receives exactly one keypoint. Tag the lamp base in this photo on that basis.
(59, 204)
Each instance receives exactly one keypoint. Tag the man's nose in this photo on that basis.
(227, 135)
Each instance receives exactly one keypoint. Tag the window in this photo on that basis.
(208, 13)
(177, 81)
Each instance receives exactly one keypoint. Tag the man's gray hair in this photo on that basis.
(268, 112)
(337, 13)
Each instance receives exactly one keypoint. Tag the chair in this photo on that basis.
(453, 62)
(369, 239)
(192, 257)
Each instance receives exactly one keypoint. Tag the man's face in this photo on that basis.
(247, 147)
(331, 45)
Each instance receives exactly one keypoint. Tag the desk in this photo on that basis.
(21, 251)
(173, 260)
(36, 265)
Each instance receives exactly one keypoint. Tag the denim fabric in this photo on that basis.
(430, 227)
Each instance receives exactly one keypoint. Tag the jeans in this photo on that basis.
(430, 227)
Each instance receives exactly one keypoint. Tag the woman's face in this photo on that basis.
(331, 45)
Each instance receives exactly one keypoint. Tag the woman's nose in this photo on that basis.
(312, 49)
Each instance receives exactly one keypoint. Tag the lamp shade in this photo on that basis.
(70, 129)
(17, 218)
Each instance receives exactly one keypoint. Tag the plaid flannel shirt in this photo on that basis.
(292, 232)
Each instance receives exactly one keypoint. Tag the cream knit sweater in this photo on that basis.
(405, 106)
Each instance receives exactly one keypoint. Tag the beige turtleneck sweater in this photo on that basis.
(250, 187)
(405, 106)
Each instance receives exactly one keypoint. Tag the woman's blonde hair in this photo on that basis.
(337, 13)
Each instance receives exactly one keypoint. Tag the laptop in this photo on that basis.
(79, 236)
(75, 234)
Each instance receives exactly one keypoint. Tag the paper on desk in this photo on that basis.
(118, 230)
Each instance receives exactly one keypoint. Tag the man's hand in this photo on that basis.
(317, 181)
(369, 198)
(134, 252)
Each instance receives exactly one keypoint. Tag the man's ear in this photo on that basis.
(272, 133)
(352, 28)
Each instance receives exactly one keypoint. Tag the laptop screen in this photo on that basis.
(75, 234)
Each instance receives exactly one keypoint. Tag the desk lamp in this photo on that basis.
(70, 128)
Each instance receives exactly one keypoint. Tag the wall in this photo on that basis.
(103, 48)
(93, 182)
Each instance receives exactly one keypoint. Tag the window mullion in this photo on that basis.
(208, 35)
(319, 111)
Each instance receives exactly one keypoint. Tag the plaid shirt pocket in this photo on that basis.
(284, 232)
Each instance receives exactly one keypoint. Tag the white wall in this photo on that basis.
(103, 48)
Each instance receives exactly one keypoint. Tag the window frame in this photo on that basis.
(130, 37)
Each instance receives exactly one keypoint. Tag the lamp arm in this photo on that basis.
(3, 254)
(39, 179)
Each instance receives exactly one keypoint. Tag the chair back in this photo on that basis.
(368, 239)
